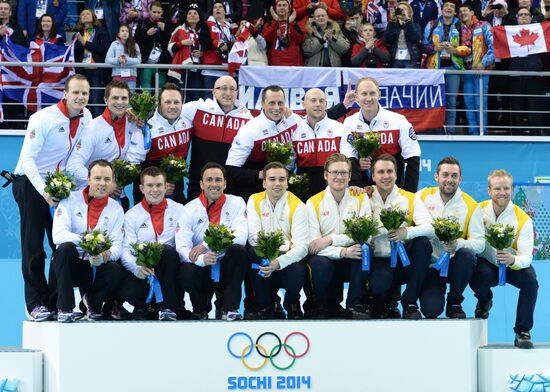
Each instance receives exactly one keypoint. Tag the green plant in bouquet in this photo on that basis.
(268, 244)
(392, 217)
(143, 105)
(95, 242)
(278, 152)
(174, 167)
(125, 172)
(447, 229)
(500, 236)
(59, 184)
(218, 237)
(148, 254)
(361, 228)
(366, 144)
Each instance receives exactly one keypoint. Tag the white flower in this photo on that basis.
(141, 246)
(100, 238)
(89, 237)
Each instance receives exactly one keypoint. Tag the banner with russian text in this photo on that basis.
(295, 81)
(417, 94)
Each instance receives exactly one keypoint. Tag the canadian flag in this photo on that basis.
(521, 40)
(238, 53)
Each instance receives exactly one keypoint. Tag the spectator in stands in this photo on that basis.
(91, 47)
(424, 11)
(134, 11)
(480, 36)
(444, 49)
(46, 31)
(124, 53)
(369, 52)
(498, 101)
(233, 10)
(325, 44)
(517, 258)
(189, 42)
(152, 38)
(404, 37)
(306, 8)
(257, 9)
(527, 90)
(257, 47)
(350, 30)
(544, 8)
(28, 12)
(222, 40)
(108, 13)
(283, 36)
(512, 19)
(7, 25)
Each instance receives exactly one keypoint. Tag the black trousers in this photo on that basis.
(177, 196)
(135, 290)
(291, 278)
(36, 219)
(486, 276)
(198, 283)
(71, 271)
(432, 296)
(328, 275)
(383, 278)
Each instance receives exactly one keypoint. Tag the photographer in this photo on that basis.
(325, 44)
(222, 41)
(306, 8)
(511, 17)
(404, 38)
(283, 36)
(350, 30)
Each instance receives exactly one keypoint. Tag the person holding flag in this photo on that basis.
(519, 272)
(51, 136)
(154, 219)
(96, 275)
(213, 207)
(448, 201)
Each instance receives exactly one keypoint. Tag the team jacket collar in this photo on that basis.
(95, 207)
(157, 214)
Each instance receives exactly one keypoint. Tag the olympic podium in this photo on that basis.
(347, 356)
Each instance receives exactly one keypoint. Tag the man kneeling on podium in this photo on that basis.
(96, 276)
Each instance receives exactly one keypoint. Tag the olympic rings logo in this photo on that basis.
(268, 355)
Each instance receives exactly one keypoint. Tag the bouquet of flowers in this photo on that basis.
(174, 167)
(360, 229)
(143, 106)
(267, 247)
(95, 242)
(59, 184)
(392, 218)
(125, 172)
(148, 254)
(447, 230)
(500, 237)
(218, 238)
(299, 185)
(278, 152)
(366, 144)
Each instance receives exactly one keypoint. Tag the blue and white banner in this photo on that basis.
(295, 81)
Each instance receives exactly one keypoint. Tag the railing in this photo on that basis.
(460, 128)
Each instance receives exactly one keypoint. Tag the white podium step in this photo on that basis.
(22, 365)
(503, 367)
(347, 356)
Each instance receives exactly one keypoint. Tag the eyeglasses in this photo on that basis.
(226, 89)
(337, 173)
(524, 14)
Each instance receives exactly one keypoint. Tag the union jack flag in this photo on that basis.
(35, 87)
(371, 11)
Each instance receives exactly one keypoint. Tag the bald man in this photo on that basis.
(215, 124)
(315, 139)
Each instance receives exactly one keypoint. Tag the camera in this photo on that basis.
(398, 11)
(496, 6)
(224, 53)
(315, 1)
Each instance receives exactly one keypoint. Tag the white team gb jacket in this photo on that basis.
(99, 142)
(326, 217)
(48, 144)
(289, 215)
(71, 217)
(138, 227)
(194, 221)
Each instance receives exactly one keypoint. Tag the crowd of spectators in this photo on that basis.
(437, 34)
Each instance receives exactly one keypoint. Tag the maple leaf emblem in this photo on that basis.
(525, 37)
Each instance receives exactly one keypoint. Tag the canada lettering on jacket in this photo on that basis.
(216, 120)
(283, 137)
(308, 147)
(173, 140)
